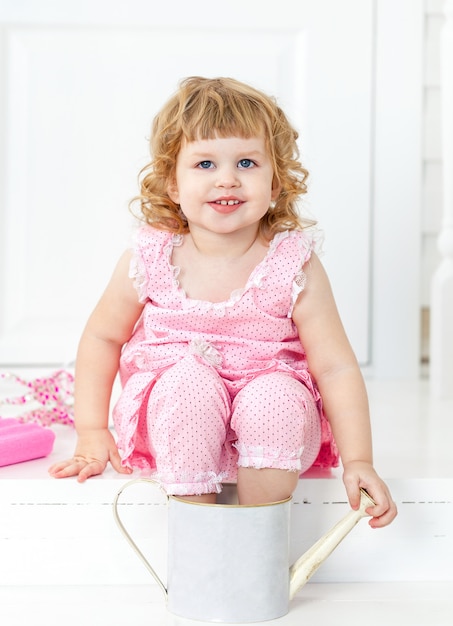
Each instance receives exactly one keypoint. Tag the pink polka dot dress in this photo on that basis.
(208, 387)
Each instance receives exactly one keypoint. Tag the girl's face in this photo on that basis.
(224, 185)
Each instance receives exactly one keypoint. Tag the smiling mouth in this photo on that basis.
(225, 206)
(227, 202)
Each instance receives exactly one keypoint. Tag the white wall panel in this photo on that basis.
(80, 83)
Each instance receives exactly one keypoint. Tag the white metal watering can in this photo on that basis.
(229, 562)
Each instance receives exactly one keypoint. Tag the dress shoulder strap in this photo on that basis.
(147, 249)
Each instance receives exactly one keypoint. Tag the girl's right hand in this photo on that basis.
(95, 448)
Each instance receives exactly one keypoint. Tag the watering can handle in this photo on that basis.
(127, 535)
(309, 562)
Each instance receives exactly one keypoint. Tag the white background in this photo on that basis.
(80, 83)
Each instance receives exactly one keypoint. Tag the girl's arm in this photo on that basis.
(333, 365)
(109, 327)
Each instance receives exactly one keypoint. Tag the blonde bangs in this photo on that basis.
(217, 111)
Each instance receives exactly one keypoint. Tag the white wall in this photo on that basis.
(432, 149)
(364, 153)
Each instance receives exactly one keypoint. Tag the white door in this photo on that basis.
(81, 82)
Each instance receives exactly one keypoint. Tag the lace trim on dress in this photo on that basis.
(298, 285)
(300, 279)
(204, 349)
(137, 271)
(186, 485)
(260, 457)
(256, 278)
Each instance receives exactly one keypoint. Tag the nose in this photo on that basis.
(227, 177)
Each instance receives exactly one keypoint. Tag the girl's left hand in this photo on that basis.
(361, 475)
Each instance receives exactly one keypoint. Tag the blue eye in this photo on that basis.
(205, 165)
(246, 163)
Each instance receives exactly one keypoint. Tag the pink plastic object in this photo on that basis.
(23, 442)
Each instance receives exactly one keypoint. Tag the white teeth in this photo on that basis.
(227, 202)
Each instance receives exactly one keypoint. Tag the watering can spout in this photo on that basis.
(306, 565)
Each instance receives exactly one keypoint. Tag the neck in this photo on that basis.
(232, 246)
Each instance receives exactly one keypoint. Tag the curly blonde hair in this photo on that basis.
(204, 108)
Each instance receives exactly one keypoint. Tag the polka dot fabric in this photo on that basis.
(210, 386)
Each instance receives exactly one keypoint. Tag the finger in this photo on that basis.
(56, 467)
(117, 465)
(382, 520)
(353, 493)
(354, 496)
(387, 516)
(94, 468)
(383, 512)
(382, 500)
(65, 469)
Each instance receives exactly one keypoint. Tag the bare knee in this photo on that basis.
(261, 486)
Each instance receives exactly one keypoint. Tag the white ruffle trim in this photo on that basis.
(207, 482)
(257, 278)
(206, 351)
(137, 270)
(138, 274)
(261, 457)
(298, 285)
(312, 242)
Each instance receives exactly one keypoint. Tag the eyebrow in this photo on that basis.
(241, 154)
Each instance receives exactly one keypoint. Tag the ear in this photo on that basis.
(172, 190)
(276, 189)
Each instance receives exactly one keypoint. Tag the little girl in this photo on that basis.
(221, 321)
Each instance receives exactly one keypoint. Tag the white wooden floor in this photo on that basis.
(377, 604)
(412, 440)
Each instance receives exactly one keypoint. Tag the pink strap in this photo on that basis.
(54, 394)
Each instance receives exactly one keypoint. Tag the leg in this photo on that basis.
(278, 430)
(258, 486)
(188, 411)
